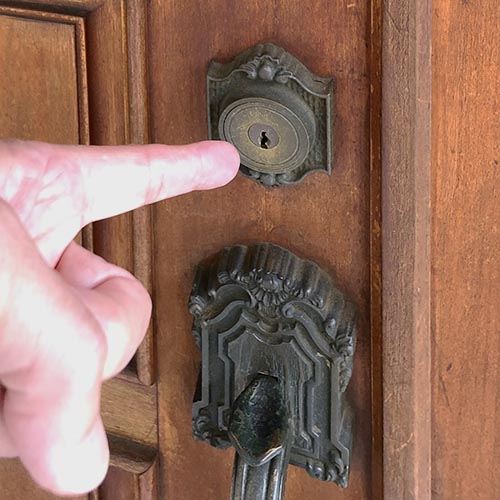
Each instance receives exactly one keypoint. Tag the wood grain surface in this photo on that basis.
(376, 296)
(129, 410)
(39, 102)
(76, 7)
(121, 485)
(406, 260)
(116, 72)
(323, 218)
(466, 250)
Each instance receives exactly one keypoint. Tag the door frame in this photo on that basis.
(400, 129)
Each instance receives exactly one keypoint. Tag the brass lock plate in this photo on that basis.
(270, 138)
(276, 112)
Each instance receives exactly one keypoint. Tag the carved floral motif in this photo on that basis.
(344, 343)
(266, 68)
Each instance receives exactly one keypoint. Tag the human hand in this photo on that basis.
(68, 319)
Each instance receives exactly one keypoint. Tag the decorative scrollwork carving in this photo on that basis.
(268, 72)
(262, 310)
(343, 340)
(205, 430)
(334, 470)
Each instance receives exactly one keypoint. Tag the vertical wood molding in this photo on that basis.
(94, 495)
(123, 485)
(406, 134)
(118, 90)
(376, 342)
(83, 101)
(142, 228)
(86, 235)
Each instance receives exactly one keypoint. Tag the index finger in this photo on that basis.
(116, 179)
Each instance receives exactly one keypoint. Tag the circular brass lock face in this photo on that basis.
(270, 137)
(278, 114)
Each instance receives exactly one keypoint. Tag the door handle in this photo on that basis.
(277, 340)
(277, 113)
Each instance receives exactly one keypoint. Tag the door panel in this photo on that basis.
(466, 252)
(322, 218)
(48, 45)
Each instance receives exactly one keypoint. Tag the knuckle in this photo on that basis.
(143, 311)
(135, 319)
(85, 357)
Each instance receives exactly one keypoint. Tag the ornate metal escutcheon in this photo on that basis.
(277, 113)
(277, 341)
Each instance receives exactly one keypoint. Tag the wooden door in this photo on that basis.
(326, 219)
(130, 71)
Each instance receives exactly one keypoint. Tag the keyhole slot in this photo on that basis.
(263, 136)
(264, 140)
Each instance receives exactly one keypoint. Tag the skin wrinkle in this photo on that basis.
(34, 202)
(100, 270)
(30, 182)
(152, 192)
(58, 179)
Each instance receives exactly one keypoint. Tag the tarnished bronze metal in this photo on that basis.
(260, 423)
(277, 340)
(266, 88)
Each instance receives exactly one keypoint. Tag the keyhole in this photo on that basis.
(264, 140)
(263, 136)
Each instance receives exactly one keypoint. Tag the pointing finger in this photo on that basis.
(117, 179)
(58, 189)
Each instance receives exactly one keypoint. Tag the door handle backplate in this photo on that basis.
(277, 340)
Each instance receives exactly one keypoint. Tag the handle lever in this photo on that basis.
(260, 431)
